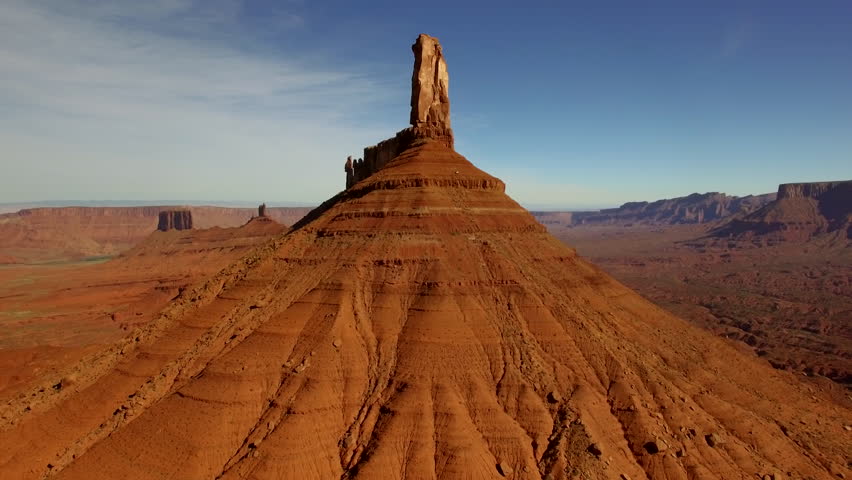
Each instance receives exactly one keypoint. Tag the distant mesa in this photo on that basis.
(430, 112)
(697, 208)
(175, 220)
(800, 212)
(47, 234)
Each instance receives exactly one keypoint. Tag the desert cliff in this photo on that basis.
(801, 212)
(696, 208)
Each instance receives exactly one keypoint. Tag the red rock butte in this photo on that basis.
(175, 220)
(421, 324)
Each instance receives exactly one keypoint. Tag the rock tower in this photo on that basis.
(430, 112)
(430, 85)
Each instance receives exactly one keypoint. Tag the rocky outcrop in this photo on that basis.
(175, 220)
(377, 156)
(262, 217)
(800, 212)
(430, 113)
(697, 208)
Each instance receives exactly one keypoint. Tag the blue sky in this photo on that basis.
(574, 105)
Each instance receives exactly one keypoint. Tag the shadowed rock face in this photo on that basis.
(175, 220)
(430, 98)
(801, 212)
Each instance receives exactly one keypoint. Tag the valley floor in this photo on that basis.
(789, 303)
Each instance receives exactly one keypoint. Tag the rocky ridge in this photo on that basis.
(697, 208)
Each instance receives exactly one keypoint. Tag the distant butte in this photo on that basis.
(175, 220)
(262, 216)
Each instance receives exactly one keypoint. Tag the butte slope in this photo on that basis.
(421, 324)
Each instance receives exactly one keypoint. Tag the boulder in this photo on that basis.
(505, 469)
(714, 439)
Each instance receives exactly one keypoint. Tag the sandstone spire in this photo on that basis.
(430, 113)
(430, 100)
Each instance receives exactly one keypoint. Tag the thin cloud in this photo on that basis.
(110, 85)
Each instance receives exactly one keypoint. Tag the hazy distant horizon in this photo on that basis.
(232, 204)
(576, 207)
